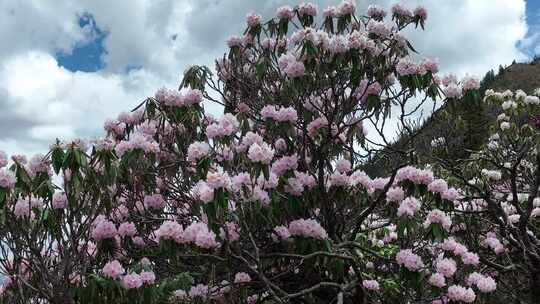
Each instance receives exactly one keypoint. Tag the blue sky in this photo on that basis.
(531, 47)
(67, 68)
(88, 56)
(85, 56)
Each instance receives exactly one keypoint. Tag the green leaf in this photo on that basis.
(57, 157)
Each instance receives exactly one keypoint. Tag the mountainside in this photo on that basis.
(469, 133)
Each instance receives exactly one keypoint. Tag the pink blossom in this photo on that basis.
(437, 280)
(218, 179)
(486, 284)
(307, 228)
(131, 281)
(400, 11)
(148, 277)
(470, 83)
(421, 13)
(113, 269)
(378, 28)
(253, 19)
(406, 66)
(330, 12)
(234, 41)
(262, 153)
(451, 194)
(370, 284)
(446, 267)
(198, 291)
(409, 206)
(437, 216)
(285, 12)
(460, 293)
(242, 277)
(395, 194)
(409, 260)
(282, 232)
(280, 166)
(453, 91)
(308, 8)
(7, 179)
(154, 201)
(438, 186)
(197, 150)
(170, 230)
(104, 229)
(343, 165)
(204, 192)
(346, 7)
(199, 234)
(470, 258)
(230, 232)
(127, 229)
(375, 11)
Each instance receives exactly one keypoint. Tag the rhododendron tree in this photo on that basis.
(499, 194)
(267, 203)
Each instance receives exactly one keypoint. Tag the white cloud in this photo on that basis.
(43, 101)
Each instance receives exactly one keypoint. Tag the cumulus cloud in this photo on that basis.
(42, 101)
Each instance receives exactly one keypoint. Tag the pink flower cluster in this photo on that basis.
(218, 179)
(285, 114)
(437, 280)
(409, 260)
(113, 269)
(485, 284)
(137, 141)
(178, 99)
(437, 216)
(284, 164)
(307, 228)
(170, 230)
(154, 201)
(225, 126)
(491, 241)
(409, 206)
(23, 207)
(282, 231)
(242, 277)
(400, 11)
(395, 194)
(379, 28)
(197, 150)
(59, 200)
(460, 293)
(199, 234)
(285, 12)
(127, 229)
(7, 179)
(376, 12)
(417, 176)
(132, 281)
(261, 153)
(253, 19)
(103, 229)
(307, 9)
(446, 267)
(230, 233)
(370, 284)
(291, 66)
(438, 186)
(468, 258)
(297, 184)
